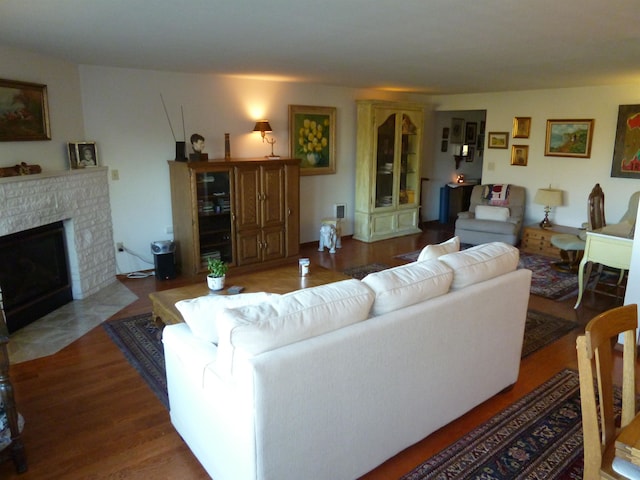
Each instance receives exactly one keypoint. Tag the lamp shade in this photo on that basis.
(262, 126)
(548, 197)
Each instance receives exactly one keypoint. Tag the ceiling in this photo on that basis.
(427, 46)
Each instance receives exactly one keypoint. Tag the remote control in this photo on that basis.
(235, 289)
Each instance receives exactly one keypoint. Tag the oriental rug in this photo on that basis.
(138, 338)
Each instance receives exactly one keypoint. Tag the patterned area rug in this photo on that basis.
(362, 271)
(545, 280)
(540, 436)
(138, 338)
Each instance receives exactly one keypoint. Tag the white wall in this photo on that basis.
(65, 109)
(123, 113)
(575, 176)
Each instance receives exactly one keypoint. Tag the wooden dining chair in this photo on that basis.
(596, 360)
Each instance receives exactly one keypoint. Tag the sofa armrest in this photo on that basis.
(466, 215)
(196, 354)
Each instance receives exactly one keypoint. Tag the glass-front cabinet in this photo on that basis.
(388, 169)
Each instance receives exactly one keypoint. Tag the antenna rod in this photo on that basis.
(184, 135)
(168, 120)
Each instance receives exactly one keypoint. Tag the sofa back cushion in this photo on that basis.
(481, 262)
(200, 313)
(434, 251)
(408, 284)
(289, 318)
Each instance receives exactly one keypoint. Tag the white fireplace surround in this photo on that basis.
(78, 198)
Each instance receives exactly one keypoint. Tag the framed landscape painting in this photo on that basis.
(569, 138)
(312, 133)
(24, 111)
(626, 151)
(498, 140)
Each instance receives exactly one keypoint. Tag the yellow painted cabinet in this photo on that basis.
(389, 160)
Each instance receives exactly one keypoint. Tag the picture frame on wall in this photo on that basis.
(470, 132)
(521, 127)
(626, 151)
(444, 146)
(520, 155)
(569, 138)
(498, 140)
(457, 130)
(312, 134)
(471, 153)
(82, 155)
(24, 111)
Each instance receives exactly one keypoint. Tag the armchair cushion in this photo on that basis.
(487, 212)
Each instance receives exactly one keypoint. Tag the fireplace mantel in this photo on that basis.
(78, 198)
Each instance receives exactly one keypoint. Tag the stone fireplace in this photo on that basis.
(80, 200)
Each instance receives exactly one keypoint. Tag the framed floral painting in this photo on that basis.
(312, 134)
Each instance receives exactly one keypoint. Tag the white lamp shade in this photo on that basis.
(548, 197)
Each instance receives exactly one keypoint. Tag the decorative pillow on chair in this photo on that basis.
(487, 212)
(434, 251)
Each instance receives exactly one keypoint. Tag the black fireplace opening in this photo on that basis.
(34, 274)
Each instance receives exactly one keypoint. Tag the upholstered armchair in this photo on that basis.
(495, 214)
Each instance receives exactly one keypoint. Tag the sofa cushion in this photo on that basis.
(486, 212)
(408, 284)
(289, 318)
(480, 263)
(200, 313)
(434, 251)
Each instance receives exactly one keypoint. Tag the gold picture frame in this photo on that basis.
(312, 137)
(498, 140)
(569, 138)
(521, 127)
(520, 155)
(24, 111)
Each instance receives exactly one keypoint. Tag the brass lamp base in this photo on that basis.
(546, 223)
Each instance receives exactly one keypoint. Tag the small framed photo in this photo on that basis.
(444, 146)
(445, 133)
(470, 132)
(569, 138)
(520, 155)
(498, 140)
(470, 155)
(457, 130)
(82, 155)
(521, 127)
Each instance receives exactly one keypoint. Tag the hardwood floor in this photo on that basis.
(90, 415)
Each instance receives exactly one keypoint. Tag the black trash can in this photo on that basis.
(164, 259)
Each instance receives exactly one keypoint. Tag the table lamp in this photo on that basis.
(548, 197)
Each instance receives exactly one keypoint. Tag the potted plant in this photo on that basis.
(217, 271)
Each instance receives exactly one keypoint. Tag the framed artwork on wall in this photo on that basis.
(24, 111)
(521, 127)
(520, 155)
(498, 140)
(569, 138)
(626, 151)
(82, 155)
(470, 132)
(457, 130)
(312, 134)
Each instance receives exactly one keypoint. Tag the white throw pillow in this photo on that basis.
(486, 212)
(434, 251)
(292, 317)
(408, 284)
(200, 313)
(481, 262)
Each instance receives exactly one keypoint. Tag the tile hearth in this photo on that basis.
(63, 326)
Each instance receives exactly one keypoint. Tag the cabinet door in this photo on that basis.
(409, 158)
(247, 182)
(385, 145)
(272, 195)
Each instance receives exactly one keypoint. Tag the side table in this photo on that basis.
(538, 240)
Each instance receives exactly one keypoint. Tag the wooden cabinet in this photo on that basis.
(538, 240)
(242, 211)
(389, 159)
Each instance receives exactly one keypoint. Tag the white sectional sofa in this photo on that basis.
(329, 382)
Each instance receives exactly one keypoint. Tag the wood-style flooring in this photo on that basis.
(90, 415)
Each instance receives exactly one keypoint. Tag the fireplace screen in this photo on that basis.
(34, 274)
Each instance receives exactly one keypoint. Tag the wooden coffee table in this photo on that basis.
(282, 279)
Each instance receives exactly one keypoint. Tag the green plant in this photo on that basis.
(217, 268)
